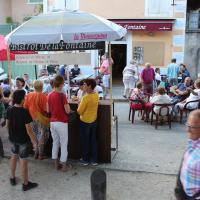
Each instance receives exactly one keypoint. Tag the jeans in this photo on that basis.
(88, 141)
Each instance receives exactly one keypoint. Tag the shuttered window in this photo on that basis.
(35, 1)
(158, 8)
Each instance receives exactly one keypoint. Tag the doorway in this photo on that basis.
(118, 52)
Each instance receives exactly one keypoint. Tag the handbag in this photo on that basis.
(44, 120)
(72, 114)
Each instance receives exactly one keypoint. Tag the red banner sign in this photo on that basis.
(146, 25)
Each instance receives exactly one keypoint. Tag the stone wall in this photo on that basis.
(192, 53)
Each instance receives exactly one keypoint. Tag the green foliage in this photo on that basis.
(9, 20)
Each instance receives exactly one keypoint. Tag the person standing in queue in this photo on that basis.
(18, 122)
(87, 110)
(59, 108)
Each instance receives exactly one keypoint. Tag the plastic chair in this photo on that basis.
(135, 105)
(186, 110)
(158, 115)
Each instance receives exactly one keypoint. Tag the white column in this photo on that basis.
(45, 9)
(129, 40)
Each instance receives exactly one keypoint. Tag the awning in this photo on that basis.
(145, 24)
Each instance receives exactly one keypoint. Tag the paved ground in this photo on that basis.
(144, 168)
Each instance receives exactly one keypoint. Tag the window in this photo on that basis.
(158, 8)
(35, 1)
(193, 20)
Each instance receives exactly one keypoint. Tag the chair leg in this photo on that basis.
(156, 124)
(169, 120)
(133, 115)
(151, 117)
(129, 115)
(181, 116)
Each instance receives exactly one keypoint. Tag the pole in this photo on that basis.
(68, 80)
(98, 184)
(9, 68)
(110, 66)
(35, 66)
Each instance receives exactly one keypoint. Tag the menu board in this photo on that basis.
(138, 54)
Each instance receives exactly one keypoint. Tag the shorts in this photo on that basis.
(20, 149)
(106, 80)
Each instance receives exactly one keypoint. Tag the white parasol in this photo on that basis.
(67, 26)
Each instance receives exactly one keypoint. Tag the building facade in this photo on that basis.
(18, 10)
(156, 29)
(192, 38)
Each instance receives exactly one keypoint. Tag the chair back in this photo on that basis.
(163, 106)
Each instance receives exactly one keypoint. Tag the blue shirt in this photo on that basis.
(172, 70)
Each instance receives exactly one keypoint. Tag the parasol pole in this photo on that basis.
(9, 67)
(68, 80)
(110, 66)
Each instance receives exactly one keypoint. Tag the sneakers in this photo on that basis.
(94, 163)
(13, 181)
(29, 186)
(83, 162)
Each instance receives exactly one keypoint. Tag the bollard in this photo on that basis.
(98, 185)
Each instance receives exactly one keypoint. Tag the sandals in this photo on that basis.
(66, 167)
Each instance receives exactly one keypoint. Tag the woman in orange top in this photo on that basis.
(36, 102)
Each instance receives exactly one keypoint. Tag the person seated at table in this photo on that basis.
(62, 71)
(138, 94)
(75, 71)
(180, 92)
(160, 97)
(98, 89)
(194, 95)
(165, 84)
(43, 71)
(183, 72)
(28, 82)
(81, 92)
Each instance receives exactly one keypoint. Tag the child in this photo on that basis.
(20, 133)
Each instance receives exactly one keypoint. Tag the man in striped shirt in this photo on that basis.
(190, 170)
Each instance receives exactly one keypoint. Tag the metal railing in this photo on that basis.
(193, 22)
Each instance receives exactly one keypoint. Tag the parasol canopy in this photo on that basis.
(3, 50)
(66, 26)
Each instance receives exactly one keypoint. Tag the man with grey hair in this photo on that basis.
(188, 182)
